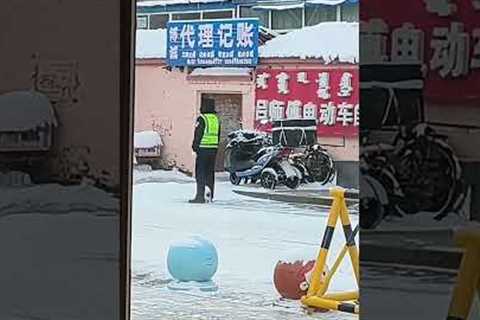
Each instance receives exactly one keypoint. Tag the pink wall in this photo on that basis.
(97, 97)
(163, 104)
(465, 141)
(168, 102)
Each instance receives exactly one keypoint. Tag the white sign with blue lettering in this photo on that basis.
(231, 42)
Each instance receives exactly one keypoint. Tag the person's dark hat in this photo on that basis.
(207, 106)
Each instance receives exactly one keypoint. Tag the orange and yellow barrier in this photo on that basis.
(317, 296)
(467, 288)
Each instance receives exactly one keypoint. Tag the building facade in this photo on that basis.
(168, 98)
(279, 16)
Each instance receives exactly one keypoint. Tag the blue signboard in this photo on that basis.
(207, 43)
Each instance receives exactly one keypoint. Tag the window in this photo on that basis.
(287, 19)
(186, 16)
(142, 22)
(315, 14)
(158, 21)
(218, 15)
(247, 12)
(350, 12)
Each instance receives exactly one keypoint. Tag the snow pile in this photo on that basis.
(151, 44)
(25, 110)
(217, 71)
(56, 199)
(279, 7)
(14, 179)
(160, 176)
(147, 139)
(329, 41)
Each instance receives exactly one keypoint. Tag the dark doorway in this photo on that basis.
(229, 109)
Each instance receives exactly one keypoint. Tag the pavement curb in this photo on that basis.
(291, 198)
(430, 257)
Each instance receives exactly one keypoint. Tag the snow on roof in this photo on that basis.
(217, 71)
(279, 7)
(328, 2)
(147, 139)
(328, 41)
(25, 110)
(151, 44)
(154, 3)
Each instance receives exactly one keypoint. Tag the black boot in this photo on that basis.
(197, 200)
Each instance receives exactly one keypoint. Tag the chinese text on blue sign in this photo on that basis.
(231, 42)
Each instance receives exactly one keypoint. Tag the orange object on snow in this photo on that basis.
(292, 279)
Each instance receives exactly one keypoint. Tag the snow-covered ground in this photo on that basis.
(251, 236)
(399, 293)
(59, 248)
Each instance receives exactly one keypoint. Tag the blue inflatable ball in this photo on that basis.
(194, 259)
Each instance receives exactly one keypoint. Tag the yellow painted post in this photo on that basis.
(352, 247)
(316, 296)
(342, 296)
(468, 279)
(322, 303)
(324, 287)
(315, 282)
(336, 265)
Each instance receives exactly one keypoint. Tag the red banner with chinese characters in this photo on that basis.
(327, 94)
(444, 35)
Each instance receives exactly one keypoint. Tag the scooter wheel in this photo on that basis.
(234, 179)
(268, 180)
(371, 213)
(293, 182)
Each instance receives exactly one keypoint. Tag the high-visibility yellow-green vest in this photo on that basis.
(211, 131)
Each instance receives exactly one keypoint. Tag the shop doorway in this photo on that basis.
(229, 110)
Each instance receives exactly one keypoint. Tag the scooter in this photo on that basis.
(242, 152)
(271, 166)
(280, 170)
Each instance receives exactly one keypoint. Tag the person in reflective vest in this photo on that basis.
(205, 145)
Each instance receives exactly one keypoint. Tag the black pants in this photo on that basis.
(205, 171)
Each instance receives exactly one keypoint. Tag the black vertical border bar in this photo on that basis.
(127, 80)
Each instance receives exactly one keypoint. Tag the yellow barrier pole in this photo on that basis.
(352, 247)
(468, 279)
(315, 283)
(322, 303)
(323, 289)
(342, 296)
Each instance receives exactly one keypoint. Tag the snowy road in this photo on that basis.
(398, 293)
(251, 235)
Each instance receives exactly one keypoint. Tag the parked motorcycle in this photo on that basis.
(418, 172)
(249, 157)
(280, 170)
